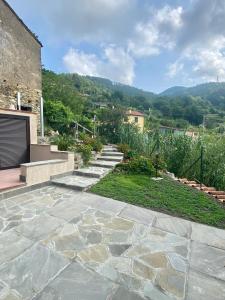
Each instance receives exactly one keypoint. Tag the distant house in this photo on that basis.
(135, 117)
(100, 105)
(178, 131)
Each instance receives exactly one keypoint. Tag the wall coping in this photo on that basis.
(18, 111)
(44, 162)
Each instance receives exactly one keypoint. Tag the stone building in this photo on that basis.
(20, 62)
(22, 160)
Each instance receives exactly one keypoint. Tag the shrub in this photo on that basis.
(159, 163)
(85, 151)
(103, 140)
(131, 154)
(124, 148)
(95, 143)
(127, 151)
(141, 165)
(64, 142)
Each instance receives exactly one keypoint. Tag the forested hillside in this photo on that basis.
(79, 96)
(214, 92)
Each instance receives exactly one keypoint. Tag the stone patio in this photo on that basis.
(57, 243)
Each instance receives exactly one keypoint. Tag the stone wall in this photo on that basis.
(20, 62)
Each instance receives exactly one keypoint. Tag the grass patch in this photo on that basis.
(165, 196)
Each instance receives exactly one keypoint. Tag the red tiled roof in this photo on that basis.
(134, 113)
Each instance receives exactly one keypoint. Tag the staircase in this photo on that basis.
(218, 195)
(83, 178)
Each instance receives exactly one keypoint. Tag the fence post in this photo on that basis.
(201, 166)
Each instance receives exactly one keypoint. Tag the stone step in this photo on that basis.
(207, 189)
(220, 197)
(103, 164)
(108, 153)
(216, 193)
(221, 200)
(189, 182)
(106, 148)
(110, 158)
(74, 182)
(92, 172)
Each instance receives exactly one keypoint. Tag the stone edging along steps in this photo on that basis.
(218, 195)
(83, 178)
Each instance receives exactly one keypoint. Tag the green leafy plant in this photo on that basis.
(141, 165)
(95, 142)
(58, 116)
(85, 151)
(64, 142)
(97, 145)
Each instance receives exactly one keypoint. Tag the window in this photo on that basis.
(136, 119)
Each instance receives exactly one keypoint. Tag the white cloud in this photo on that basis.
(137, 29)
(210, 62)
(201, 41)
(175, 68)
(157, 33)
(115, 64)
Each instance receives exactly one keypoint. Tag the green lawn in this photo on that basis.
(165, 196)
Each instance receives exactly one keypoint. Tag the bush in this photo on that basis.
(58, 116)
(159, 163)
(64, 142)
(124, 148)
(95, 143)
(131, 154)
(141, 165)
(85, 151)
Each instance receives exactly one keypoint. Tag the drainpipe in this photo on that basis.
(19, 100)
(42, 118)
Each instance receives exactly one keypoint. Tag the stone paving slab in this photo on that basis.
(76, 282)
(12, 244)
(208, 235)
(103, 163)
(201, 287)
(110, 158)
(96, 172)
(175, 225)
(208, 260)
(75, 182)
(65, 244)
(30, 272)
(138, 214)
(112, 153)
(39, 227)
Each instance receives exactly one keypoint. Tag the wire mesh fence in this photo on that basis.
(201, 159)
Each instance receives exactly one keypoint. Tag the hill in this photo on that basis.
(116, 86)
(174, 91)
(177, 106)
(214, 92)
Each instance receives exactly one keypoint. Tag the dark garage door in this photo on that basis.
(14, 141)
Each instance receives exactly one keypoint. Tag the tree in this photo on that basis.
(58, 116)
(110, 121)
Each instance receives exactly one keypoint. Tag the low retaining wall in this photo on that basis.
(46, 161)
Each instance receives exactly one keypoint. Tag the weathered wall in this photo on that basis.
(20, 62)
(140, 123)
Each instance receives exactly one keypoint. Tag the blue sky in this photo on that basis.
(151, 44)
